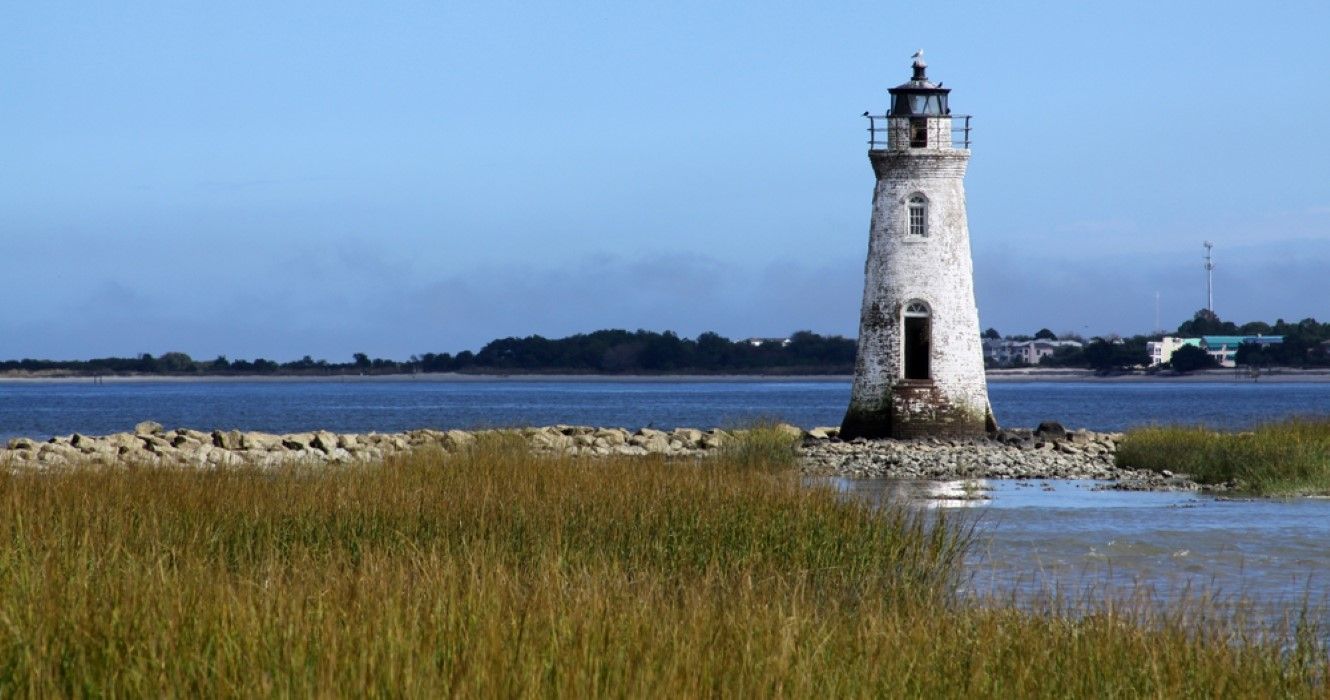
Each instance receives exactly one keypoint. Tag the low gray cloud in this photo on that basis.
(350, 296)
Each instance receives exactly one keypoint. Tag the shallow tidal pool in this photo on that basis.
(1083, 542)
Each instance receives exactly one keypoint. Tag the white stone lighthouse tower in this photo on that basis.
(919, 369)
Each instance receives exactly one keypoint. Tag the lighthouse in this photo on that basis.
(919, 365)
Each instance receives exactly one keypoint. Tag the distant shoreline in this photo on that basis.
(1006, 376)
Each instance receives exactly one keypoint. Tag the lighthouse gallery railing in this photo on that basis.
(878, 130)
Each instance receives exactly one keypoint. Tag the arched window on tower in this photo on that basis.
(918, 332)
(918, 208)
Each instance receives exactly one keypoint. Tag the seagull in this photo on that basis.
(865, 114)
(918, 54)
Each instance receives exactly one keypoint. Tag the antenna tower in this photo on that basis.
(1209, 278)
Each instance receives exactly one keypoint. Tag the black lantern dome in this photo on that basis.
(919, 97)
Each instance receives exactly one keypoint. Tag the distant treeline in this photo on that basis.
(607, 351)
(627, 352)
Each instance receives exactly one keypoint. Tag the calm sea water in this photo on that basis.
(1070, 538)
(58, 408)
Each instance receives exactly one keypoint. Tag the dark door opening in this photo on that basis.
(916, 347)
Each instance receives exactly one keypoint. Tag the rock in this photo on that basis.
(824, 433)
(229, 440)
(654, 441)
(148, 427)
(297, 441)
(253, 440)
(714, 439)
(325, 441)
(457, 440)
(1051, 430)
(613, 437)
(22, 443)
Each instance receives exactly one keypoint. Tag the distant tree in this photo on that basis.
(1253, 355)
(175, 362)
(992, 334)
(714, 351)
(1190, 358)
(1104, 354)
(221, 363)
(361, 360)
(1045, 334)
(1255, 328)
(1206, 322)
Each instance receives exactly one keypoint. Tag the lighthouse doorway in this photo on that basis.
(917, 332)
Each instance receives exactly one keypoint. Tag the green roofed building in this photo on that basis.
(1224, 348)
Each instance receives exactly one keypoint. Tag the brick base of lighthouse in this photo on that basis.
(916, 408)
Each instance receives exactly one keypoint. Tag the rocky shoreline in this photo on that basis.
(1048, 452)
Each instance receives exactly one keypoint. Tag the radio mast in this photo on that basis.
(1209, 278)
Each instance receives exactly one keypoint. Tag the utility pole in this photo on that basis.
(1157, 328)
(1209, 279)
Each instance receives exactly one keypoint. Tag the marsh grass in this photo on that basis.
(764, 445)
(1284, 458)
(497, 573)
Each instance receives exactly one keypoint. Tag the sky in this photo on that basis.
(280, 179)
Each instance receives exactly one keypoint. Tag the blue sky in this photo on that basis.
(277, 179)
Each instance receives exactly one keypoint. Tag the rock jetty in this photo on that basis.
(1049, 452)
(150, 443)
(1009, 454)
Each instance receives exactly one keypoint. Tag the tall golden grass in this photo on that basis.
(1282, 458)
(499, 573)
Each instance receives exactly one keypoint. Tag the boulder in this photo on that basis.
(457, 439)
(148, 427)
(714, 439)
(325, 441)
(229, 440)
(688, 437)
(612, 436)
(254, 440)
(1051, 430)
(297, 441)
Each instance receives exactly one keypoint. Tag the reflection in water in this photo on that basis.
(958, 493)
(1077, 542)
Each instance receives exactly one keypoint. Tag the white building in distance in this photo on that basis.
(1161, 351)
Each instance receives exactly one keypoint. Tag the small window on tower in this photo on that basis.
(918, 216)
(918, 133)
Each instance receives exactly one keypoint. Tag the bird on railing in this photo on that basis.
(865, 114)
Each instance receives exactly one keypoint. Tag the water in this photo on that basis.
(1035, 538)
(44, 409)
